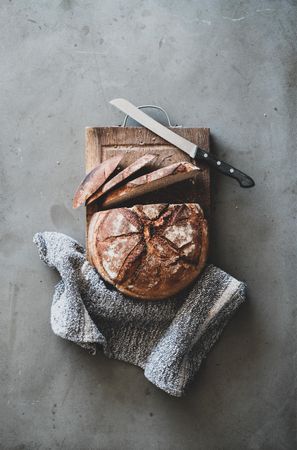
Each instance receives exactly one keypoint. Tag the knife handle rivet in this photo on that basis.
(219, 163)
(205, 155)
(231, 170)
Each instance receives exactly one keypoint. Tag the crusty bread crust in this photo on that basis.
(94, 179)
(150, 182)
(149, 252)
(126, 173)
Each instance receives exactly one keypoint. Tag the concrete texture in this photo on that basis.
(226, 64)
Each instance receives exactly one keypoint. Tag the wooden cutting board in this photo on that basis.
(104, 142)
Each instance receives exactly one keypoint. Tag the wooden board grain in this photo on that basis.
(104, 142)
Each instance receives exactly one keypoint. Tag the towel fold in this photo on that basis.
(168, 339)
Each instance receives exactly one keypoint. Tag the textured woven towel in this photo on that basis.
(168, 339)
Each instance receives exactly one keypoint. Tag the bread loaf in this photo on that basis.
(149, 251)
(153, 181)
(133, 168)
(94, 179)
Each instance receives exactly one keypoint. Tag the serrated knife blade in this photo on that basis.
(178, 141)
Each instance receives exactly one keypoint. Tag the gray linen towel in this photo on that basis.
(167, 339)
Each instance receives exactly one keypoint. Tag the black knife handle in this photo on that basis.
(244, 180)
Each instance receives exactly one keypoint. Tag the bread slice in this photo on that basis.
(151, 182)
(94, 180)
(122, 176)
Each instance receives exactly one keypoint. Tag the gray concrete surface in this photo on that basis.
(226, 64)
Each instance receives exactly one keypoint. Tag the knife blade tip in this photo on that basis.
(115, 100)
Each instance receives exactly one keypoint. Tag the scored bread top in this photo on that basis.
(149, 251)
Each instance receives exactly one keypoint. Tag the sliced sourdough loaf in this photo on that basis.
(128, 172)
(150, 182)
(94, 179)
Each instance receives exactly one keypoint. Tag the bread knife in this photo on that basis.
(178, 141)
